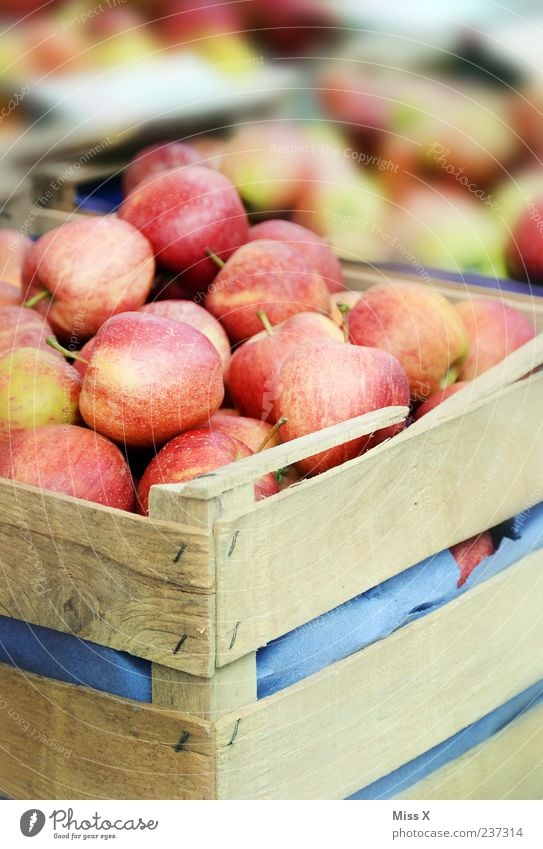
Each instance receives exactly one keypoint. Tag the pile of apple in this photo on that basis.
(105, 377)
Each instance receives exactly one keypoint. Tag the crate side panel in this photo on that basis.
(61, 741)
(361, 718)
(315, 546)
(507, 766)
(133, 584)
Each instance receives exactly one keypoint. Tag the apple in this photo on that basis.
(149, 378)
(291, 27)
(494, 330)
(322, 384)
(13, 248)
(524, 251)
(71, 460)
(315, 249)
(37, 388)
(184, 213)
(198, 317)
(267, 162)
(469, 553)
(254, 433)
(22, 328)
(10, 295)
(264, 275)
(418, 326)
(251, 378)
(438, 398)
(87, 271)
(194, 453)
(155, 159)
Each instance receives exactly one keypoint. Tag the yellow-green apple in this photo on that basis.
(71, 460)
(37, 388)
(469, 553)
(149, 378)
(88, 270)
(252, 375)
(264, 275)
(13, 248)
(198, 317)
(268, 164)
(253, 432)
(155, 159)
(494, 330)
(316, 251)
(438, 398)
(194, 453)
(184, 213)
(524, 250)
(322, 384)
(22, 328)
(418, 326)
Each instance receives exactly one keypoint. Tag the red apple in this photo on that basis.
(323, 384)
(198, 317)
(494, 330)
(71, 460)
(252, 432)
(37, 388)
(524, 252)
(92, 269)
(184, 213)
(149, 378)
(10, 295)
(252, 375)
(418, 326)
(315, 249)
(22, 328)
(269, 276)
(155, 159)
(438, 398)
(13, 248)
(469, 553)
(291, 27)
(196, 453)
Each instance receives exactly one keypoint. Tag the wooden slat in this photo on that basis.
(61, 741)
(244, 471)
(361, 718)
(121, 580)
(320, 543)
(509, 765)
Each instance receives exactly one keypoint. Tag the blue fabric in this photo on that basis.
(65, 657)
(399, 780)
(378, 612)
(102, 196)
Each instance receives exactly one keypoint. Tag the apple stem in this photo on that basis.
(268, 326)
(279, 423)
(73, 355)
(345, 310)
(216, 259)
(37, 299)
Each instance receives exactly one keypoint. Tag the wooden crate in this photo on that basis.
(212, 576)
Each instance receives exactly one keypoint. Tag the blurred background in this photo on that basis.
(407, 134)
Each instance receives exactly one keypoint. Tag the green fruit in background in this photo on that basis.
(37, 388)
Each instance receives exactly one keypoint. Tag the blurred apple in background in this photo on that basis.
(524, 252)
(13, 248)
(157, 158)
